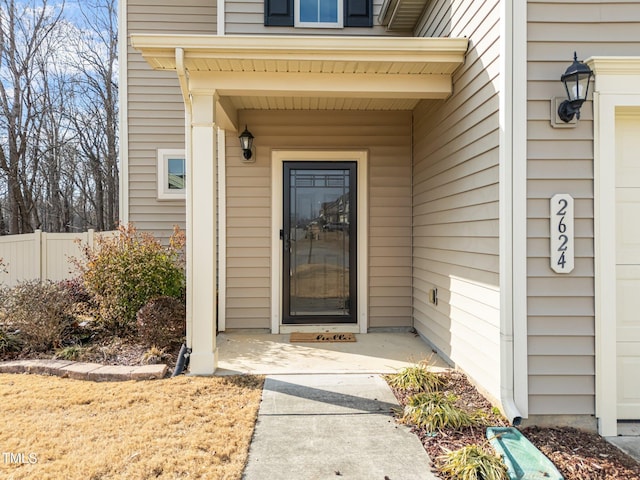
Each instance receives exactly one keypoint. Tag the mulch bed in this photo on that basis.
(583, 455)
(578, 455)
(108, 351)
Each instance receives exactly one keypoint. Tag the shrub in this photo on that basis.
(437, 411)
(162, 322)
(124, 272)
(72, 352)
(153, 356)
(41, 312)
(9, 342)
(75, 289)
(473, 462)
(416, 379)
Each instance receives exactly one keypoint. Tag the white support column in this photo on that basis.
(201, 236)
(222, 231)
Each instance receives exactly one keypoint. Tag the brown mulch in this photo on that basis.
(108, 351)
(578, 455)
(126, 352)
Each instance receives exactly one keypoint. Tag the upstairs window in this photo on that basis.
(318, 13)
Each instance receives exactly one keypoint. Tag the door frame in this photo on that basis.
(617, 87)
(360, 157)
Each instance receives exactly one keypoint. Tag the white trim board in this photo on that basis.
(222, 230)
(278, 157)
(123, 114)
(513, 217)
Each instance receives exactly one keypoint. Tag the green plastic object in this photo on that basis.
(524, 461)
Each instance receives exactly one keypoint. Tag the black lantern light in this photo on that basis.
(576, 82)
(246, 142)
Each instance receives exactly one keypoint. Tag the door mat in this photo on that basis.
(322, 337)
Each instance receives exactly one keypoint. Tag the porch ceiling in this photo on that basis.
(304, 72)
(401, 15)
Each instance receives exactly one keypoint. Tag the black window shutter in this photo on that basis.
(278, 13)
(358, 13)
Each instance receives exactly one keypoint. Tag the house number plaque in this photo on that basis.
(562, 234)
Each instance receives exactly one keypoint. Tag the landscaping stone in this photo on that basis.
(107, 373)
(12, 367)
(149, 372)
(57, 364)
(85, 371)
(47, 367)
(31, 365)
(79, 371)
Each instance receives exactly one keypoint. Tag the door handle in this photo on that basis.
(285, 238)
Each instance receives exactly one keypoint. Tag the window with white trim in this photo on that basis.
(172, 174)
(318, 13)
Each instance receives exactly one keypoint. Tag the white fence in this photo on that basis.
(42, 256)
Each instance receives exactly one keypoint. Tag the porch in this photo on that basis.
(228, 82)
(261, 352)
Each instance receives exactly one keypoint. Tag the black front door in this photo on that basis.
(319, 241)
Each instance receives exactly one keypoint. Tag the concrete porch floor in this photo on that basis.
(271, 354)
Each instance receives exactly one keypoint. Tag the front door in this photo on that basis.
(319, 239)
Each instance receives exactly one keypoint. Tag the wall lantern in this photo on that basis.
(246, 142)
(576, 82)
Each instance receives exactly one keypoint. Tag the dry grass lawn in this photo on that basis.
(185, 427)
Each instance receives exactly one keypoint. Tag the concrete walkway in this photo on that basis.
(326, 411)
(332, 426)
(283, 361)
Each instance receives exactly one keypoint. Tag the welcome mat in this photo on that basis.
(302, 337)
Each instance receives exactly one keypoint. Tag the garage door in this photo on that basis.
(628, 265)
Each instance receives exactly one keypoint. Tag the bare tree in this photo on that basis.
(58, 116)
(96, 118)
(55, 147)
(25, 31)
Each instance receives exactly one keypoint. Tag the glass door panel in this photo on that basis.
(319, 242)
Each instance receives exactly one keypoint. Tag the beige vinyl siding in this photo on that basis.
(387, 137)
(455, 198)
(155, 108)
(561, 307)
(246, 17)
